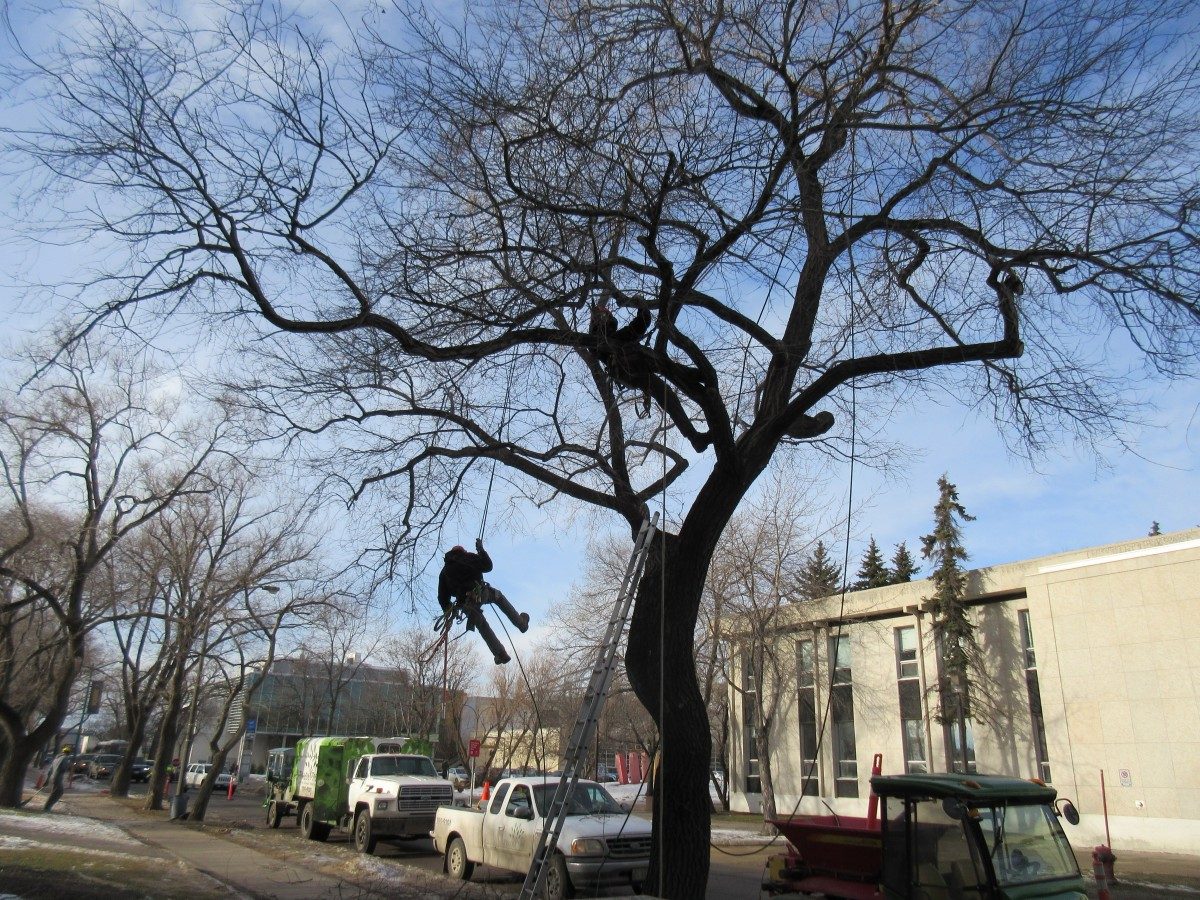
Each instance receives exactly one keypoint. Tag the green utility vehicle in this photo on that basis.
(940, 837)
(342, 782)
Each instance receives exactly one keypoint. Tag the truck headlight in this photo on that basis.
(587, 847)
(381, 804)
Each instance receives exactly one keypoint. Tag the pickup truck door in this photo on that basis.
(494, 826)
(520, 831)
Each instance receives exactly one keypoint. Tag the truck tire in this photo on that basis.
(364, 840)
(274, 814)
(310, 827)
(558, 882)
(457, 864)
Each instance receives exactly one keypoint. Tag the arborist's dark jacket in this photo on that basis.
(461, 573)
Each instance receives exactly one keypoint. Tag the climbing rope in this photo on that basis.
(505, 420)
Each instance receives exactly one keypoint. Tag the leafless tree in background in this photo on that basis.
(89, 457)
(756, 570)
(816, 209)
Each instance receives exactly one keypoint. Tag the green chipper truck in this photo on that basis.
(346, 783)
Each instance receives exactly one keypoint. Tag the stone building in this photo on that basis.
(1091, 675)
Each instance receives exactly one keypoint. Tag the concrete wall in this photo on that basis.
(1116, 631)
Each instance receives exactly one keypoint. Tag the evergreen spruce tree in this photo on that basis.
(820, 576)
(955, 633)
(904, 567)
(872, 571)
(1154, 529)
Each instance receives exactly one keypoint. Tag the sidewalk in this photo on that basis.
(207, 860)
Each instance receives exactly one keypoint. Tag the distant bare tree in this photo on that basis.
(89, 457)
(550, 235)
(211, 550)
(440, 677)
(759, 564)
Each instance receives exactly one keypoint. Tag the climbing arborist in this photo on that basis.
(462, 590)
(631, 365)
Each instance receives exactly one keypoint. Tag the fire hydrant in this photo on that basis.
(1103, 855)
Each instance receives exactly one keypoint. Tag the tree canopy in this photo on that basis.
(795, 215)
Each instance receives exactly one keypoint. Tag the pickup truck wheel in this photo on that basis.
(558, 882)
(310, 827)
(364, 841)
(274, 814)
(457, 863)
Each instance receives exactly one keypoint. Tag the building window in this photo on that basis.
(1036, 719)
(750, 726)
(806, 679)
(841, 701)
(908, 682)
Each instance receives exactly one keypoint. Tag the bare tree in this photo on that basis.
(758, 563)
(440, 676)
(225, 555)
(245, 658)
(88, 438)
(791, 210)
(142, 638)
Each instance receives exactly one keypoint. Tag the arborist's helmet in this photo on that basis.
(67, 748)
(458, 548)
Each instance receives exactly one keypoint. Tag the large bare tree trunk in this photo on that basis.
(137, 734)
(679, 860)
(168, 731)
(22, 744)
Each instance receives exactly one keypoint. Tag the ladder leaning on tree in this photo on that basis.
(589, 714)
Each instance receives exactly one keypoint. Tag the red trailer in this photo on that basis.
(840, 856)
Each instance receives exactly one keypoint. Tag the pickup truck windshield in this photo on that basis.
(402, 765)
(585, 800)
(1025, 843)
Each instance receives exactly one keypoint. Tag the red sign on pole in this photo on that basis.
(473, 748)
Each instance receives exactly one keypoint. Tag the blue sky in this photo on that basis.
(1068, 501)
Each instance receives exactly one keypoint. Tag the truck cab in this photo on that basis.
(940, 837)
(394, 794)
(948, 836)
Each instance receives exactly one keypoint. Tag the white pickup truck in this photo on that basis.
(601, 844)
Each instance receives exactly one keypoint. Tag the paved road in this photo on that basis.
(735, 874)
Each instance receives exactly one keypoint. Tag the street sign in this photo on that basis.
(473, 748)
(95, 693)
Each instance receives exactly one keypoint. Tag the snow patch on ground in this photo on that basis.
(738, 837)
(60, 824)
(13, 842)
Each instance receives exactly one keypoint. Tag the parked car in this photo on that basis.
(459, 777)
(140, 770)
(197, 771)
(79, 765)
(103, 766)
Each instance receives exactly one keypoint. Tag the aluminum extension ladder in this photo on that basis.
(589, 714)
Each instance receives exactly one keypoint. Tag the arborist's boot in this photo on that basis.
(521, 620)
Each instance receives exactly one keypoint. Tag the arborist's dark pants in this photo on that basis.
(477, 621)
